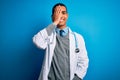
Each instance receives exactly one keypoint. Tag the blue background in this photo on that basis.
(97, 20)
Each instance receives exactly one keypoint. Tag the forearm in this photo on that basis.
(50, 29)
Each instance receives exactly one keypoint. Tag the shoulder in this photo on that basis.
(78, 35)
(80, 39)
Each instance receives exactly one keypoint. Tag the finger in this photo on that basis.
(58, 9)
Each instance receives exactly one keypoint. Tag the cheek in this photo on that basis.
(66, 16)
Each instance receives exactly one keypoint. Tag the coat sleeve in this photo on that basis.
(82, 58)
(41, 39)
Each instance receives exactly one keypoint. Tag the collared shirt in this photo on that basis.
(61, 56)
(65, 31)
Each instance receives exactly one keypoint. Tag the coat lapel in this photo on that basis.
(72, 54)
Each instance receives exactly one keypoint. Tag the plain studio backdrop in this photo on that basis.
(97, 20)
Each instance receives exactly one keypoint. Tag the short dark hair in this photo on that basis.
(61, 4)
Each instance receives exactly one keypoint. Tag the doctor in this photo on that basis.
(66, 56)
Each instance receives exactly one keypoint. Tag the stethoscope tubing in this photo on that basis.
(77, 50)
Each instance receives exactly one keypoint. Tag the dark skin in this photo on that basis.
(60, 17)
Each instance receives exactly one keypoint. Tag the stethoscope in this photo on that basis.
(77, 50)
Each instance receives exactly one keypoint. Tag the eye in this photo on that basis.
(64, 12)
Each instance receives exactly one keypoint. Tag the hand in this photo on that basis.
(57, 15)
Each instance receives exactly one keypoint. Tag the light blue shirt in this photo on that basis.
(65, 31)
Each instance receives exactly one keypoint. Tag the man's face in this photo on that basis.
(64, 15)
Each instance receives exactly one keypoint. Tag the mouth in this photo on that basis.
(61, 20)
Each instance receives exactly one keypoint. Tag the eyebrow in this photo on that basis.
(64, 11)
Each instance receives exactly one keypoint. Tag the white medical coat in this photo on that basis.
(78, 61)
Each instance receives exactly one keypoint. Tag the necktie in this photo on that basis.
(62, 33)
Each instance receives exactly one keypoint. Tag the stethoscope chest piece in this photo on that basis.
(77, 50)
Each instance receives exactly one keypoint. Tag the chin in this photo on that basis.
(62, 24)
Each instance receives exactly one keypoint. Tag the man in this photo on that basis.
(66, 56)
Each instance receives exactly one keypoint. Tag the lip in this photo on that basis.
(61, 20)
